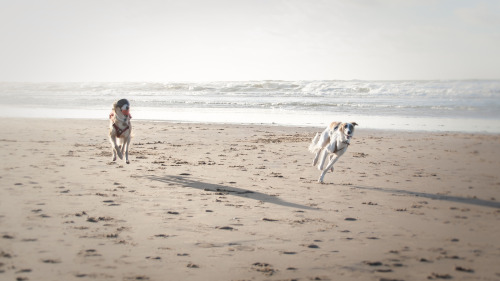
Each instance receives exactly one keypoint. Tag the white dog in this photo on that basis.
(333, 141)
(120, 129)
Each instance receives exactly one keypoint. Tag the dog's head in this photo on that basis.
(122, 106)
(347, 129)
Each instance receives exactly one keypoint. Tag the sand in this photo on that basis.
(242, 202)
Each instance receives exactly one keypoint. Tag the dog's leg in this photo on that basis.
(112, 140)
(122, 147)
(329, 148)
(331, 157)
(126, 145)
(122, 144)
(316, 157)
(323, 159)
(116, 148)
(328, 167)
(334, 158)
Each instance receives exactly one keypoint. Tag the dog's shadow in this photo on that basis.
(457, 199)
(189, 182)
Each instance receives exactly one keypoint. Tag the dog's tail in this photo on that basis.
(313, 148)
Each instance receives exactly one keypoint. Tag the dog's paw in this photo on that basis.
(119, 153)
(128, 162)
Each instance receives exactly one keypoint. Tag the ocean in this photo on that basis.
(447, 106)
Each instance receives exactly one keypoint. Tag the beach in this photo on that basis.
(242, 202)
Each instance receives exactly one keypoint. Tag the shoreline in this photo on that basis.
(241, 202)
(275, 125)
(381, 123)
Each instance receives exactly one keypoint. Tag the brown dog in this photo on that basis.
(120, 129)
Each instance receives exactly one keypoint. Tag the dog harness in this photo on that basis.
(119, 131)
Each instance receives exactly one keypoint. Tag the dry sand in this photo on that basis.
(241, 202)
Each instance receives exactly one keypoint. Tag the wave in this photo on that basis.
(476, 98)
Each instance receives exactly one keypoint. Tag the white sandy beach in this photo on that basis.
(241, 202)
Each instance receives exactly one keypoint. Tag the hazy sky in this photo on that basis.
(200, 40)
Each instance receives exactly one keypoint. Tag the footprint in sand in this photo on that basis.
(153, 258)
(51, 261)
(373, 263)
(225, 228)
(93, 219)
(29, 240)
(5, 255)
(139, 277)
(463, 269)
(162, 235)
(89, 253)
(439, 276)
(265, 268)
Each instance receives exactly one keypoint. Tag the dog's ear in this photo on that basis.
(354, 123)
(340, 127)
